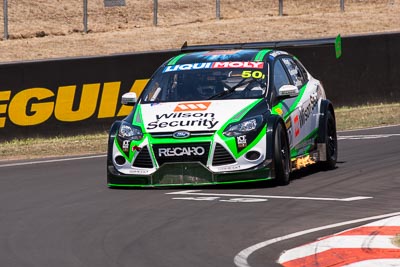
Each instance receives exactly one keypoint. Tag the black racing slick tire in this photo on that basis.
(330, 142)
(281, 155)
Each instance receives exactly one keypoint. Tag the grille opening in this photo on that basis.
(222, 156)
(143, 159)
(181, 152)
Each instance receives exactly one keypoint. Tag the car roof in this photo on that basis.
(223, 55)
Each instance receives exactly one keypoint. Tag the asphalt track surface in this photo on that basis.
(61, 213)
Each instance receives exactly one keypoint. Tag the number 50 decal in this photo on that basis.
(252, 74)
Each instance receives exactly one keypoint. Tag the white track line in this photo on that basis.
(365, 136)
(196, 193)
(370, 128)
(49, 161)
(241, 259)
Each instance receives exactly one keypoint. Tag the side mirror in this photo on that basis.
(129, 99)
(288, 90)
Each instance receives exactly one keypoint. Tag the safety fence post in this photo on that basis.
(218, 9)
(155, 11)
(5, 16)
(280, 7)
(85, 16)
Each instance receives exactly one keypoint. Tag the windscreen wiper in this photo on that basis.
(232, 89)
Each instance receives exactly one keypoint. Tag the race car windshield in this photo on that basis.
(205, 81)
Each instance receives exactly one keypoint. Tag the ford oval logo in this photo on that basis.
(181, 134)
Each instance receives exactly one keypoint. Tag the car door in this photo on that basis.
(304, 111)
(288, 72)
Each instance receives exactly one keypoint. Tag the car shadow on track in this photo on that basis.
(310, 170)
(295, 175)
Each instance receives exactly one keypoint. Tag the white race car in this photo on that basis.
(223, 116)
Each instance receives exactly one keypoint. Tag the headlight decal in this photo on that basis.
(237, 117)
(130, 135)
(128, 140)
(244, 127)
(128, 156)
(237, 146)
(242, 143)
(130, 132)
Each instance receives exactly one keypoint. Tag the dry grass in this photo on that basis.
(43, 29)
(367, 116)
(32, 148)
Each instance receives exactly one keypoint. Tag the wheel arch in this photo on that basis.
(272, 124)
(111, 135)
(327, 156)
(325, 106)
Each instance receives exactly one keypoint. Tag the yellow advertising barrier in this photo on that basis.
(34, 106)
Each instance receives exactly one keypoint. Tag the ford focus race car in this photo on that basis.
(223, 116)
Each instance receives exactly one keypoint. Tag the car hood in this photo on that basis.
(190, 116)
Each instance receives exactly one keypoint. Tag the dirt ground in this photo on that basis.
(43, 29)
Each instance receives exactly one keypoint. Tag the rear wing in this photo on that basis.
(336, 41)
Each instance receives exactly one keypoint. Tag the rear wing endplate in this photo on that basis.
(336, 41)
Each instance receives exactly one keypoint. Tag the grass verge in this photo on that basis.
(347, 118)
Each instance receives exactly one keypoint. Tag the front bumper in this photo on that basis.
(187, 173)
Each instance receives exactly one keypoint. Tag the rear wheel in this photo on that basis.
(281, 156)
(330, 143)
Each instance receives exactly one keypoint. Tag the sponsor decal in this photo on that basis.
(308, 106)
(192, 106)
(215, 65)
(181, 134)
(288, 124)
(125, 145)
(181, 151)
(304, 145)
(136, 148)
(301, 115)
(34, 106)
(238, 64)
(279, 111)
(296, 126)
(241, 141)
(229, 168)
(138, 171)
(181, 120)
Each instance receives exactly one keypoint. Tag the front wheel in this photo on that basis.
(281, 156)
